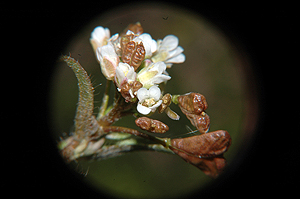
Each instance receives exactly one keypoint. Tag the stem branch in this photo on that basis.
(162, 141)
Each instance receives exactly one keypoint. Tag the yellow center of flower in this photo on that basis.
(149, 102)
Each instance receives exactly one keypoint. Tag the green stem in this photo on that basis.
(175, 99)
(105, 100)
(163, 141)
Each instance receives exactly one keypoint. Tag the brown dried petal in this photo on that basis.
(125, 91)
(136, 85)
(125, 39)
(150, 125)
(128, 51)
(138, 56)
(136, 28)
(206, 145)
(192, 103)
(133, 54)
(126, 87)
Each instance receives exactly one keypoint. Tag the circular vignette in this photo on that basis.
(216, 66)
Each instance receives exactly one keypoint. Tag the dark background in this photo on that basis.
(267, 32)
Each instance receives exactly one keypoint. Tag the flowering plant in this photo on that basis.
(137, 65)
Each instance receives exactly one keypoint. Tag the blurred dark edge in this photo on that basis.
(37, 34)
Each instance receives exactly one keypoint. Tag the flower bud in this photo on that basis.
(150, 125)
(193, 103)
(109, 61)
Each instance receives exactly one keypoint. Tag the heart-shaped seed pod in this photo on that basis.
(210, 166)
(192, 103)
(150, 125)
(201, 122)
(211, 144)
(204, 151)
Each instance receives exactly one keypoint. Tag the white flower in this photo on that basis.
(153, 74)
(99, 37)
(149, 100)
(108, 59)
(168, 51)
(150, 44)
(115, 42)
(124, 73)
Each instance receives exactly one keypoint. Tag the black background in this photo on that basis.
(267, 32)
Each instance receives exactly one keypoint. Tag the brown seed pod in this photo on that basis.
(138, 56)
(133, 54)
(166, 101)
(128, 90)
(204, 151)
(125, 39)
(201, 122)
(206, 145)
(192, 103)
(127, 51)
(135, 28)
(210, 166)
(150, 125)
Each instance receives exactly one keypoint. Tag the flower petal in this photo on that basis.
(107, 50)
(177, 59)
(160, 78)
(142, 94)
(149, 44)
(120, 76)
(108, 59)
(170, 42)
(100, 33)
(143, 109)
(175, 52)
(160, 67)
(154, 92)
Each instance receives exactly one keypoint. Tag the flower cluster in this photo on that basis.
(136, 63)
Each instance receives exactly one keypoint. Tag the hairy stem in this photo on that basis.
(114, 151)
(85, 122)
(163, 141)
